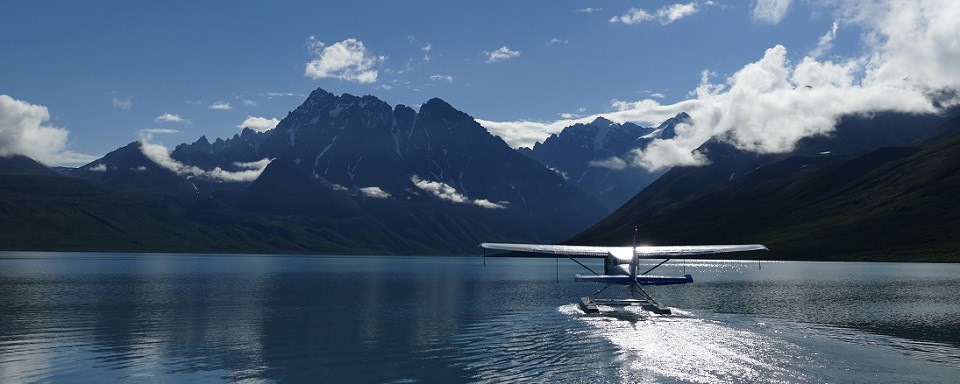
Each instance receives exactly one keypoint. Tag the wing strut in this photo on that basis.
(655, 267)
(582, 265)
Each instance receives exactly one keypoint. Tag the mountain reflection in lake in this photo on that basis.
(88, 317)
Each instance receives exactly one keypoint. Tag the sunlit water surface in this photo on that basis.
(89, 317)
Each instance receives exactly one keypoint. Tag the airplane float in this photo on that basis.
(620, 267)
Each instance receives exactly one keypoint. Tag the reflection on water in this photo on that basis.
(89, 317)
(687, 348)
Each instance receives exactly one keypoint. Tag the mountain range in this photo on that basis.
(595, 157)
(882, 187)
(346, 174)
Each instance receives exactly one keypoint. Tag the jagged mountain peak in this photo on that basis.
(600, 120)
(668, 129)
(319, 93)
(593, 156)
(438, 105)
(320, 101)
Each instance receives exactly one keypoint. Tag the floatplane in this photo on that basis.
(621, 267)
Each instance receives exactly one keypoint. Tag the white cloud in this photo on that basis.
(271, 95)
(501, 54)
(247, 102)
(614, 163)
(559, 172)
(441, 190)
(374, 192)
(100, 167)
(911, 51)
(259, 124)
(826, 42)
(589, 10)
(170, 118)
(665, 15)
(447, 192)
(220, 106)
(572, 116)
(22, 132)
(916, 39)
(489, 204)
(526, 133)
(346, 60)
(770, 11)
(633, 16)
(446, 78)
(426, 51)
(661, 154)
(149, 132)
(557, 40)
(676, 12)
(124, 104)
(386, 87)
(161, 156)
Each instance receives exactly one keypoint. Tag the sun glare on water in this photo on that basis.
(685, 348)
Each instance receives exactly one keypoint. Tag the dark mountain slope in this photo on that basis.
(43, 210)
(23, 165)
(892, 203)
(128, 169)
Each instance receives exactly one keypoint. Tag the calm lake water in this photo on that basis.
(89, 317)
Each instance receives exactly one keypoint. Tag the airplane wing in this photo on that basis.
(622, 254)
(695, 250)
(546, 250)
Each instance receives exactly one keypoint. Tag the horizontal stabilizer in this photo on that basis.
(641, 280)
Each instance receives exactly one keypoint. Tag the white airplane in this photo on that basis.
(620, 267)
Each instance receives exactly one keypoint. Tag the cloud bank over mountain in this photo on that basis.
(23, 131)
(910, 54)
(160, 155)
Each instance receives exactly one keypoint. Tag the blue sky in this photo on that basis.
(108, 71)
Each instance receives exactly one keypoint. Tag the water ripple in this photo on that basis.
(623, 346)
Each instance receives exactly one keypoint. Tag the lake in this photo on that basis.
(93, 317)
